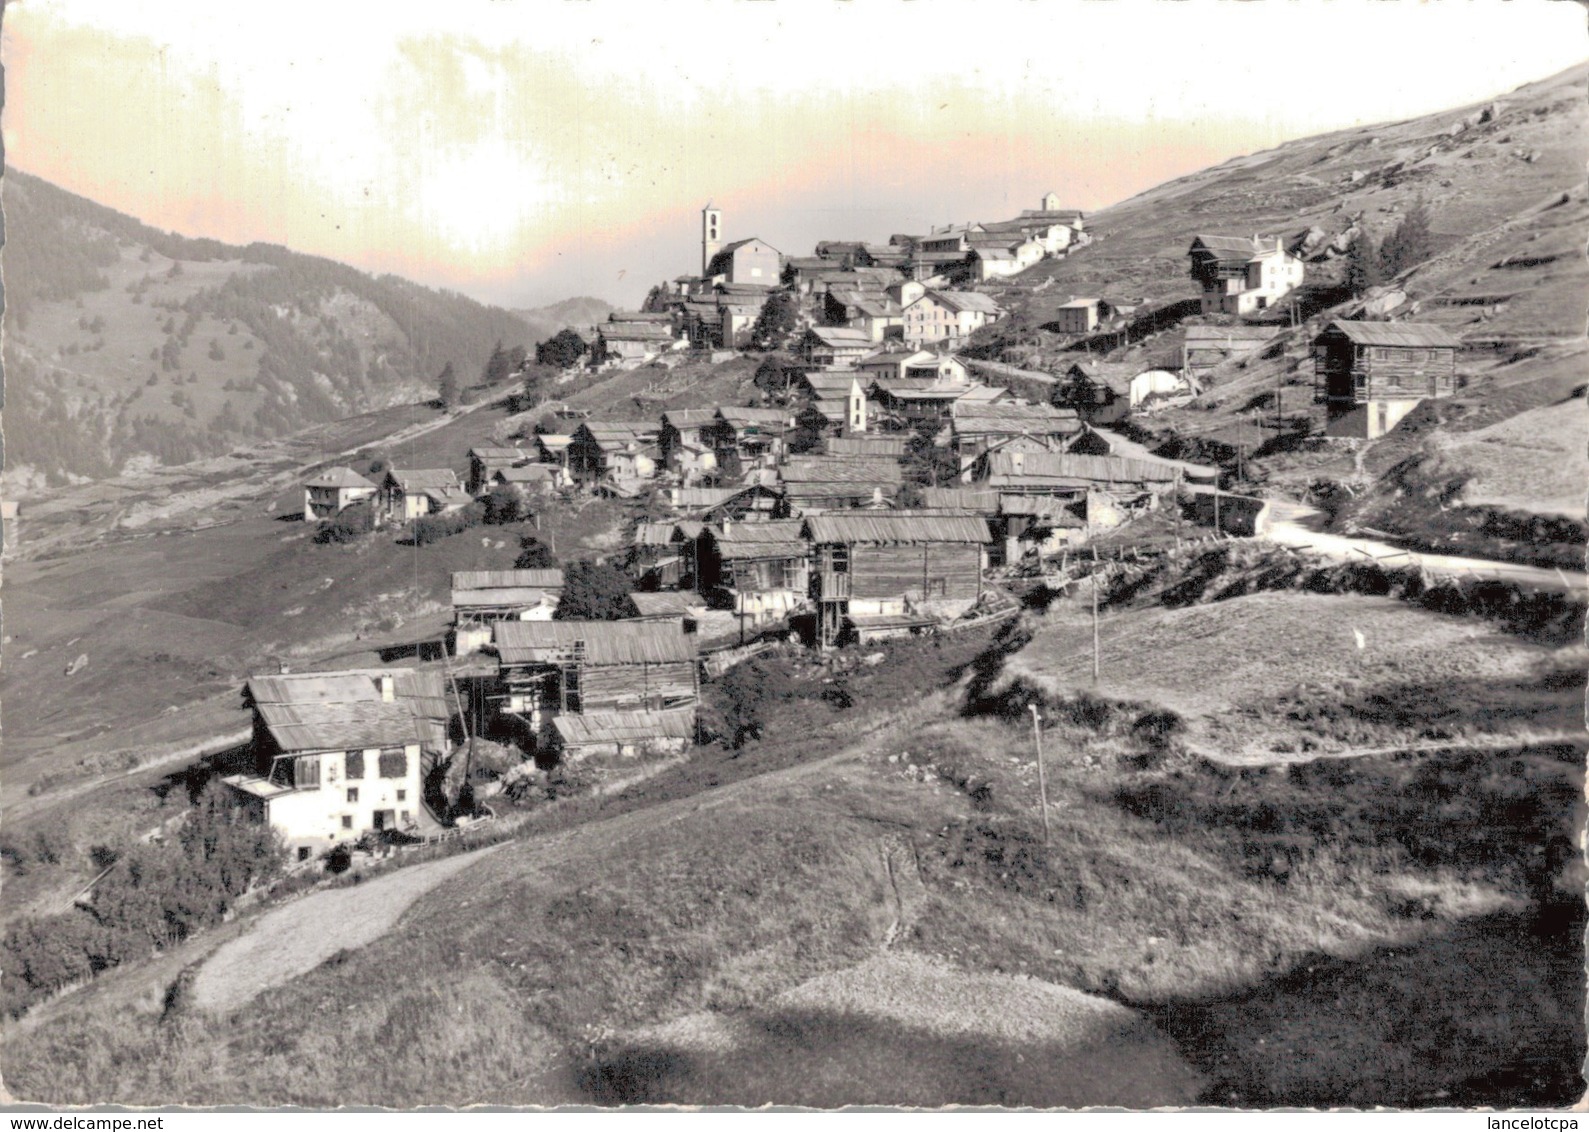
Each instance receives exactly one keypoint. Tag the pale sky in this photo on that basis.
(523, 151)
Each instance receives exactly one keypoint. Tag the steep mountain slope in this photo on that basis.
(123, 343)
(548, 320)
(1492, 177)
(1495, 470)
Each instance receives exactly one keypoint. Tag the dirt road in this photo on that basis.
(302, 935)
(1301, 527)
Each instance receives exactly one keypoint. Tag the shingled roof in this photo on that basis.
(605, 642)
(1410, 334)
(339, 478)
(897, 526)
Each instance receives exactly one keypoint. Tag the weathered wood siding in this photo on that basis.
(916, 571)
(634, 685)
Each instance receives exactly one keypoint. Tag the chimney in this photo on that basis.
(388, 688)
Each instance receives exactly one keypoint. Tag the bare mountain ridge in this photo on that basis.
(129, 347)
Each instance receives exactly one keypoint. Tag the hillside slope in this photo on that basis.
(126, 344)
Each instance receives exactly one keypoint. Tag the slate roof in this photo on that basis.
(419, 481)
(966, 301)
(889, 446)
(1409, 334)
(343, 711)
(689, 418)
(549, 578)
(635, 332)
(846, 469)
(339, 478)
(606, 642)
(837, 336)
(665, 604)
(530, 473)
(624, 726)
(897, 526)
(1071, 468)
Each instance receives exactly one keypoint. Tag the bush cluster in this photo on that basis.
(434, 528)
(155, 895)
(348, 525)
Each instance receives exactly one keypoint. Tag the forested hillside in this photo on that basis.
(123, 342)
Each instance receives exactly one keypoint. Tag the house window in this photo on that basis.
(347, 821)
(355, 764)
(393, 764)
(353, 794)
(303, 852)
(402, 795)
(404, 815)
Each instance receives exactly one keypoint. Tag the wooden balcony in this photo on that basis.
(835, 587)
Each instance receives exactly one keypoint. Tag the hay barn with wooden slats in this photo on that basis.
(553, 668)
(888, 564)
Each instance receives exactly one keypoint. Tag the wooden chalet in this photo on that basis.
(338, 755)
(555, 668)
(603, 451)
(1371, 374)
(662, 554)
(976, 428)
(329, 492)
(1070, 475)
(760, 570)
(743, 437)
(747, 503)
(632, 342)
(622, 734)
(883, 573)
(1205, 347)
(526, 479)
(1098, 392)
(683, 441)
(482, 598)
(485, 460)
(815, 484)
(836, 347)
(410, 494)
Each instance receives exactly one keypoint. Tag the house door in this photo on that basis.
(385, 819)
(1384, 418)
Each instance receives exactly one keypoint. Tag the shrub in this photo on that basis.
(534, 555)
(434, 528)
(157, 894)
(504, 504)
(594, 591)
(348, 525)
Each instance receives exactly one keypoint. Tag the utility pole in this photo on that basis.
(1095, 664)
(1042, 778)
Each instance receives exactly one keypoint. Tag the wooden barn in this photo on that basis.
(484, 460)
(885, 572)
(662, 555)
(1371, 374)
(623, 734)
(554, 668)
(814, 484)
(613, 450)
(762, 570)
(482, 598)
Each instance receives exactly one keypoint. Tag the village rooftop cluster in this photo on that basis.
(792, 518)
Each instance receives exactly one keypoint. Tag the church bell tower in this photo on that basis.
(711, 235)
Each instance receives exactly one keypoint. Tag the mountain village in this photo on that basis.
(1126, 657)
(794, 518)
